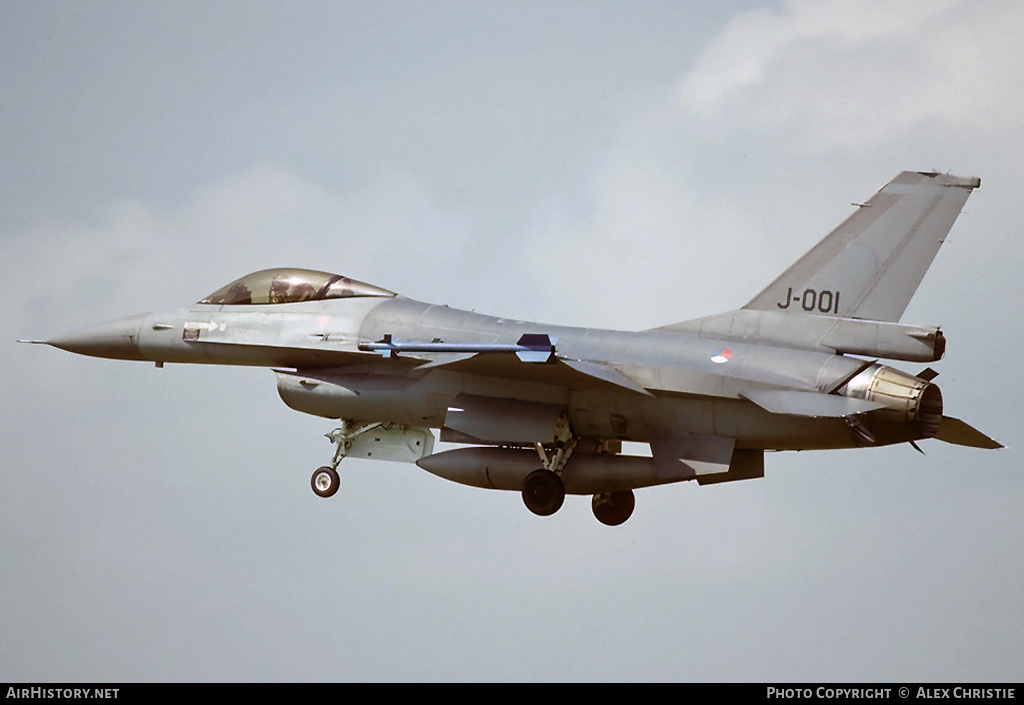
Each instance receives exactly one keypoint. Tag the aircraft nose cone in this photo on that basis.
(118, 340)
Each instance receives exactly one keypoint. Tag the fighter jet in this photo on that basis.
(543, 409)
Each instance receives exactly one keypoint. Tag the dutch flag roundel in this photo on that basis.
(721, 356)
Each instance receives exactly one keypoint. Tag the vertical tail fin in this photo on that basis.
(871, 265)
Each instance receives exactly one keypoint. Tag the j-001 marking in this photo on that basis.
(824, 301)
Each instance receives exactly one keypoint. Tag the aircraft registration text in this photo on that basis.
(824, 301)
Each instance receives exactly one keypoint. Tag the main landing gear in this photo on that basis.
(544, 492)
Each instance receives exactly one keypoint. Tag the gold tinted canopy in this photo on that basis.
(290, 285)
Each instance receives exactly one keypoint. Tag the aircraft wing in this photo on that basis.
(559, 371)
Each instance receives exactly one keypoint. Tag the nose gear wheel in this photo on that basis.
(325, 481)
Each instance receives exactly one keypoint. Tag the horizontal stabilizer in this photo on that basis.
(955, 431)
(815, 404)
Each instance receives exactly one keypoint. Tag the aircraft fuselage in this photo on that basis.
(694, 384)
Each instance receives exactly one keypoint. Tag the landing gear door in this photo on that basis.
(396, 444)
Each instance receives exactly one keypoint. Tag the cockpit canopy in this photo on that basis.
(285, 286)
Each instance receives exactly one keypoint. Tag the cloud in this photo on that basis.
(136, 255)
(717, 183)
(834, 75)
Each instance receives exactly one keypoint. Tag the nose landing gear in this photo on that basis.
(326, 480)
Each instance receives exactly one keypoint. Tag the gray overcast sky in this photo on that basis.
(610, 164)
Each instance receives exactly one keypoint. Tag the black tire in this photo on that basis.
(325, 481)
(614, 508)
(543, 492)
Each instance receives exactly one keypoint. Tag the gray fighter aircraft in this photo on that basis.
(544, 409)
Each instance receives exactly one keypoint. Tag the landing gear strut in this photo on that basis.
(326, 480)
(543, 490)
